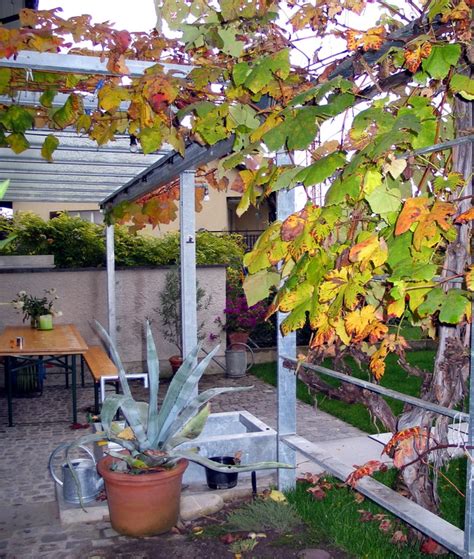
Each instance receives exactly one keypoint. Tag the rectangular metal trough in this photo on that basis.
(225, 434)
(230, 432)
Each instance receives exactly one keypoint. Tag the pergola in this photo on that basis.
(172, 165)
(156, 172)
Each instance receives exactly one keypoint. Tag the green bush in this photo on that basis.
(79, 244)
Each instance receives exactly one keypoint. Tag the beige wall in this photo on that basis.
(43, 208)
(83, 299)
(213, 216)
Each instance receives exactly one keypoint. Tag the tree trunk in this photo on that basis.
(451, 367)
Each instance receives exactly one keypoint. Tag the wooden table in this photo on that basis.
(64, 340)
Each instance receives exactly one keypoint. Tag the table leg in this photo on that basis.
(8, 382)
(74, 393)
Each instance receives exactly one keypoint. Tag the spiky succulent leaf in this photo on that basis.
(174, 390)
(132, 461)
(237, 468)
(179, 394)
(115, 357)
(191, 430)
(192, 408)
(135, 413)
(154, 383)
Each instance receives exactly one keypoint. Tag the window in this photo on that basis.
(92, 216)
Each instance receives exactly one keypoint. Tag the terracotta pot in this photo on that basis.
(238, 338)
(175, 361)
(145, 504)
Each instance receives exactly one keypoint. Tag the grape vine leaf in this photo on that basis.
(50, 144)
(257, 286)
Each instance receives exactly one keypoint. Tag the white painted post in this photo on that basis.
(286, 390)
(111, 301)
(187, 223)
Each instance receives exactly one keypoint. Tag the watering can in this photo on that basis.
(236, 360)
(85, 470)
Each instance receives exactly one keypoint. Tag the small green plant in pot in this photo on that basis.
(143, 483)
(170, 313)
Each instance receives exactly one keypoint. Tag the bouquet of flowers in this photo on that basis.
(33, 307)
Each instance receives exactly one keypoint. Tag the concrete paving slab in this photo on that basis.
(195, 506)
(356, 450)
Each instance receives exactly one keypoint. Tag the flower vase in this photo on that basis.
(34, 321)
(45, 322)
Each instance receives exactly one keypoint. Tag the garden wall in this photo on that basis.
(83, 299)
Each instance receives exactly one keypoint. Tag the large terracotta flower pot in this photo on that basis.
(144, 504)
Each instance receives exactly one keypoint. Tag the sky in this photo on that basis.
(134, 15)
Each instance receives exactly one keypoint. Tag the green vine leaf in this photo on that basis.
(441, 59)
(49, 146)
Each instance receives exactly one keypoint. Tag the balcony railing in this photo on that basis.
(250, 236)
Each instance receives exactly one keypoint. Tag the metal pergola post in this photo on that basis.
(187, 219)
(468, 512)
(286, 384)
(111, 302)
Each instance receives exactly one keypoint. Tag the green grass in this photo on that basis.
(356, 414)
(336, 518)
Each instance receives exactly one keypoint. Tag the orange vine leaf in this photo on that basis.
(367, 469)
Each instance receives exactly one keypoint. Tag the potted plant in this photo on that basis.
(240, 319)
(143, 483)
(170, 313)
(39, 310)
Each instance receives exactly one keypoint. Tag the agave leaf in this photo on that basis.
(183, 391)
(174, 390)
(193, 457)
(131, 461)
(116, 358)
(154, 380)
(191, 430)
(135, 413)
(192, 408)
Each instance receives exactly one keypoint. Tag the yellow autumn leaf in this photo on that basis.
(470, 278)
(127, 434)
(372, 250)
(396, 308)
(335, 280)
(357, 321)
(340, 329)
(277, 496)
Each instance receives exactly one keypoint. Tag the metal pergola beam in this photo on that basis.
(81, 64)
(167, 169)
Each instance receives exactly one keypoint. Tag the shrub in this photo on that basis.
(79, 244)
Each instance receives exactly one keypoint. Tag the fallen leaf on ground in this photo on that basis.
(359, 498)
(385, 525)
(399, 538)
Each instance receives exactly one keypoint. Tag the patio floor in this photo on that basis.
(29, 524)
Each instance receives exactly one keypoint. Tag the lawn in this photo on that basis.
(339, 515)
(365, 529)
(356, 414)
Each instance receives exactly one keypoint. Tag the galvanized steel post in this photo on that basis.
(469, 510)
(111, 301)
(187, 225)
(286, 390)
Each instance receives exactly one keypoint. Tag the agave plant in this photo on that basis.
(154, 434)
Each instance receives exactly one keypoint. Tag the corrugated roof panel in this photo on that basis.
(80, 172)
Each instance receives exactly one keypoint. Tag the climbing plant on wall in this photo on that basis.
(383, 115)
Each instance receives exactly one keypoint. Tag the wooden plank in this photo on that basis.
(423, 520)
(64, 339)
(99, 363)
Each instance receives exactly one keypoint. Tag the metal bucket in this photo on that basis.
(236, 361)
(88, 480)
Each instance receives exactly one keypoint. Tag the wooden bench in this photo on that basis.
(103, 369)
